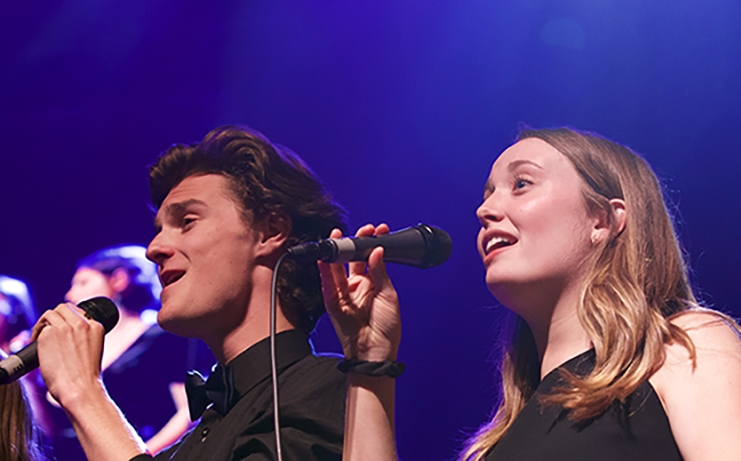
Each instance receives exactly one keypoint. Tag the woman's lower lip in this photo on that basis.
(495, 252)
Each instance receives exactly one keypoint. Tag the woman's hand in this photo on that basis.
(363, 304)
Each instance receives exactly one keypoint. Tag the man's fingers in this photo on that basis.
(71, 313)
(42, 323)
(56, 316)
(67, 315)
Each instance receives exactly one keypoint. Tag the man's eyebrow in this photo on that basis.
(518, 163)
(175, 209)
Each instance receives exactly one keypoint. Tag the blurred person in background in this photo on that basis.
(136, 350)
(17, 316)
(18, 437)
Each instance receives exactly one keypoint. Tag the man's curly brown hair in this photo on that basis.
(265, 178)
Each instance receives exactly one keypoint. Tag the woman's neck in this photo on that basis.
(128, 329)
(554, 322)
(563, 339)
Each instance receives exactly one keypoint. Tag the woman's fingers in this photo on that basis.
(358, 267)
(377, 270)
(334, 280)
(334, 285)
(346, 293)
(382, 228)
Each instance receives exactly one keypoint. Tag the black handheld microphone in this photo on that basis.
(419, 246)
(100, 309)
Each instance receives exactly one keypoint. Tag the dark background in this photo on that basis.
(400, 106)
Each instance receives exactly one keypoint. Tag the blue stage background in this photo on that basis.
(401, 107)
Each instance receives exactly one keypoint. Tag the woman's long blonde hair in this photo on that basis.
(638, 281)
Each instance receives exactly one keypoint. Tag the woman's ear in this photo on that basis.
(119, 280)
(620, 216)
(609, 225)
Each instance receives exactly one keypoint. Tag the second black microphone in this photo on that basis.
(421, 246)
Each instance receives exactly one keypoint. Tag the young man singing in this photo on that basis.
(227, 209)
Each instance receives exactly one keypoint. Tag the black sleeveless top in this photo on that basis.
(637, 429)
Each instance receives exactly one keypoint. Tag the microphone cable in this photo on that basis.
(273, 357)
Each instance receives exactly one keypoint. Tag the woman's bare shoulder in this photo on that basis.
(700, 393)
(709, 330)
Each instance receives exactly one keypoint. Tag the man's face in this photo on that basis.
(206, 255)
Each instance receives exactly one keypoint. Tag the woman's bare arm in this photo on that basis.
(364, 309)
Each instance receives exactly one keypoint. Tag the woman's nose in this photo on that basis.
(489, 211)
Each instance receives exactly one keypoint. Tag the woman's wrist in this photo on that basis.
(371, 353)
(385, 368)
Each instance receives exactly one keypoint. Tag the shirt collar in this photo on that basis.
(252, 366)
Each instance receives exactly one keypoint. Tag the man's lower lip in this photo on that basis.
(171, 283)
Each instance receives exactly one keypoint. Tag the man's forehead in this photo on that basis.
(201, 187)
(202, 190)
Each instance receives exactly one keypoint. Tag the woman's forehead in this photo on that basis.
(529, 150)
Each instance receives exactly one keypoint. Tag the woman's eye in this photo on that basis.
(520, 183)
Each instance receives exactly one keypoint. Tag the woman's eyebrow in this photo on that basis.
(517, 163)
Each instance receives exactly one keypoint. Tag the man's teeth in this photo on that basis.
(496, 241)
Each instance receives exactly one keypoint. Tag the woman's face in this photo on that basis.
(88, 283)
(535, 232)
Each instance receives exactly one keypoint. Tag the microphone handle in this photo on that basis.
(420, 246)
(100, 309)
(407, 246)
(16, 365)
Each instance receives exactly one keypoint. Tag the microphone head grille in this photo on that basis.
(101, 309)
(439, 245)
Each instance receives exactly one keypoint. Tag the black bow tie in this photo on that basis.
(217, 389)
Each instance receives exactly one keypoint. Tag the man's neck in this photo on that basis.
(247, 335)
(254, 326)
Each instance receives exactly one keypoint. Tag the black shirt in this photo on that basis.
(637, 429)
(312, 407)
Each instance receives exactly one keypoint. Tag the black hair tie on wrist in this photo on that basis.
(364, 367)
(142, 457)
